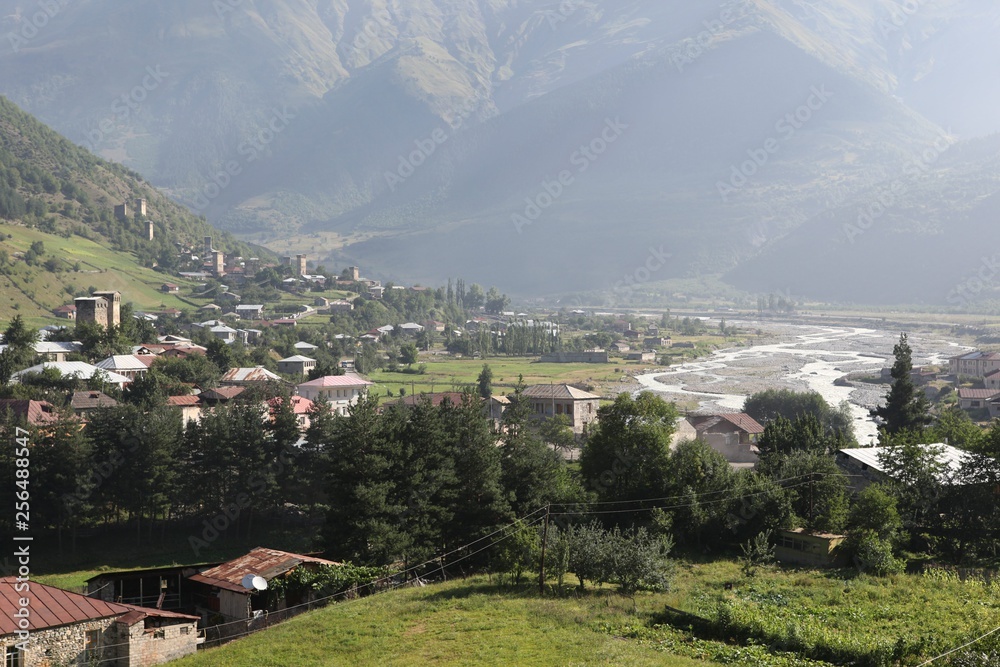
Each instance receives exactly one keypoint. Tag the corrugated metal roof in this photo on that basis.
(743, 421)
(181, 401)
(89, 400)
(258, 374)
(978, 393)
(263, 562)
(80, 369)
(122, 362)
(558, 391)
(296, 358)
(52, 607)
(950, 457)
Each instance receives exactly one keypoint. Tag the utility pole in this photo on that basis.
(541, 564)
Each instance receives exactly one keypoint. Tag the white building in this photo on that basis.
(340, 391)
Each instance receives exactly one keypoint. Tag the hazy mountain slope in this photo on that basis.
(49, 183)
(417, 129)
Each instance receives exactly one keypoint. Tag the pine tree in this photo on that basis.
(906, 407)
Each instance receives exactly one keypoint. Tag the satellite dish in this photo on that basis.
(259, 583)
(247, 581)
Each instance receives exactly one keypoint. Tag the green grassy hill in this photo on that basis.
(33, 290)
(459, 623)
(60, 194)
(780, 618)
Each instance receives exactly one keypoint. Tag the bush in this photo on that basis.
(873, 555)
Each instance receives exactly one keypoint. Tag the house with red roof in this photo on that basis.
(44, 625)
(734, 435)
(36, 413)
(340, 391)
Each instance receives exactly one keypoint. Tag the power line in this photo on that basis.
(955, 650)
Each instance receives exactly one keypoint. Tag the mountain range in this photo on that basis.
(831, 149)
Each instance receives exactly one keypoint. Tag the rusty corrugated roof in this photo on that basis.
(51, 607)
(267, 563)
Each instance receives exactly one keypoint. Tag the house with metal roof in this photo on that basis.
(71, 629)
(78, 369)
(975, 399)
(734, 435)
(865, 466)
(84, 402)
(128, 365)
(35, 413)
(974, 364)
(222, 596)
(550, 400)
(340, 391)
(244, 376)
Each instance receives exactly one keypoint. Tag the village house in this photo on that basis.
(189, 406)
(72, 629)
(221, 596)
(340, 306)
(992, 380)
(224, 333)
(236, 377)
(35, 413)
(305, 348)
(78, 369)
(297, 365)
(250, 311)
(865, 466)
(975, 399)
(798, 547)
(128, 365)
(340, 391)
(410, 328)
(170, 288)
(974, 364)
(56, 350)
(85, 402)
(220, 395)
(301, 408)
(65, 312)
(550, 400)
(734, 435)
(645, 356)
(620, 347)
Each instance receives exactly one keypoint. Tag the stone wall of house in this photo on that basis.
(57, 647)
(155, 646)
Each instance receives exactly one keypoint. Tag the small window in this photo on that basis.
(14, 657)
(159, 633)
(92, 646)
(186, 630)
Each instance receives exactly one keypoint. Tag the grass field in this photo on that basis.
(781, 618)
(460, 623)
(447, 374)
(33, 291)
